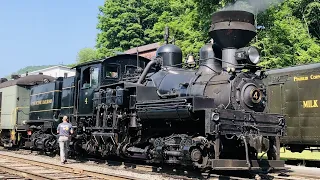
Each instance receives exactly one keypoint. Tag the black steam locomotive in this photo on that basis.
(211, 115)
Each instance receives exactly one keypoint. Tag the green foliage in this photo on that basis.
(127, 23)
(86, 55)
(182, 18)
(287, 40)
(311, 16)
(291, 34)
(292, 30)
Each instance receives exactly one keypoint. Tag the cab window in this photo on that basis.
(111, 71)
(94, 79)
(130, 69)
(90, 77)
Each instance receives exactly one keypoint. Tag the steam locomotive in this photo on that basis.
(209, 114)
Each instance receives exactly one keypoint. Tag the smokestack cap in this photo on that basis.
(232, 29)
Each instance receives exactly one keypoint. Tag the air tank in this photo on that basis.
(208, 63)
(171, 54)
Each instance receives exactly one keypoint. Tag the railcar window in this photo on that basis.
(111, 71)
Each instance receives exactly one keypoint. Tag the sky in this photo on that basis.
(45, 32)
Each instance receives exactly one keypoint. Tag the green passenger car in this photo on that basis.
(295, 93)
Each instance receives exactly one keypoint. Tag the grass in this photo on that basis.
(304, 155)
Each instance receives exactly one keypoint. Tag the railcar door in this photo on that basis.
(89, 82)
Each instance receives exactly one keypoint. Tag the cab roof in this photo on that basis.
(29, 80)
(109, 59)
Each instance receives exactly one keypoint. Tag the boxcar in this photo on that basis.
(295, 92)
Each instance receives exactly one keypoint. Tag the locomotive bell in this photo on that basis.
(190, 60)
(171, 55)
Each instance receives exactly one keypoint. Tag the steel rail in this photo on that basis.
(23, 173)
(289, 176)
(75, 171)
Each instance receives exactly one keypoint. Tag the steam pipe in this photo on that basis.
(98, 117)
(147, 68)
(247, 151)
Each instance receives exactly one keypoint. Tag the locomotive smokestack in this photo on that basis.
(232, 30)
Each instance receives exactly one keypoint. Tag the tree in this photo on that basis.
(182, 19)
(125, 24)
(286, 40)
(291, 34)
(290, 37)
(86, 54)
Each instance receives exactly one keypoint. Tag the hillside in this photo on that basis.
(32, 68)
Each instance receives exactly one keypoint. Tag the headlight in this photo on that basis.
(249, 54)
(254, 55)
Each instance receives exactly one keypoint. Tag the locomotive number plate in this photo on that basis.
(255, 95)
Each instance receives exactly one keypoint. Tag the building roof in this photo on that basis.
(27, 80)
(144, 48)
(49, 68)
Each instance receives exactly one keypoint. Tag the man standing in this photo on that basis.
(64, 130)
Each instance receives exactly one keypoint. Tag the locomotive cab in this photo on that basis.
(89, 81)
(92, 76)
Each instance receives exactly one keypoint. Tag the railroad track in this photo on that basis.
(182, 173)
(281, 175)
(32, 169)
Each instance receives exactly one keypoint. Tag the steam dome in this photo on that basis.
(171, 54)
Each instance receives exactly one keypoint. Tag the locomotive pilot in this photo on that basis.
(64, 130)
